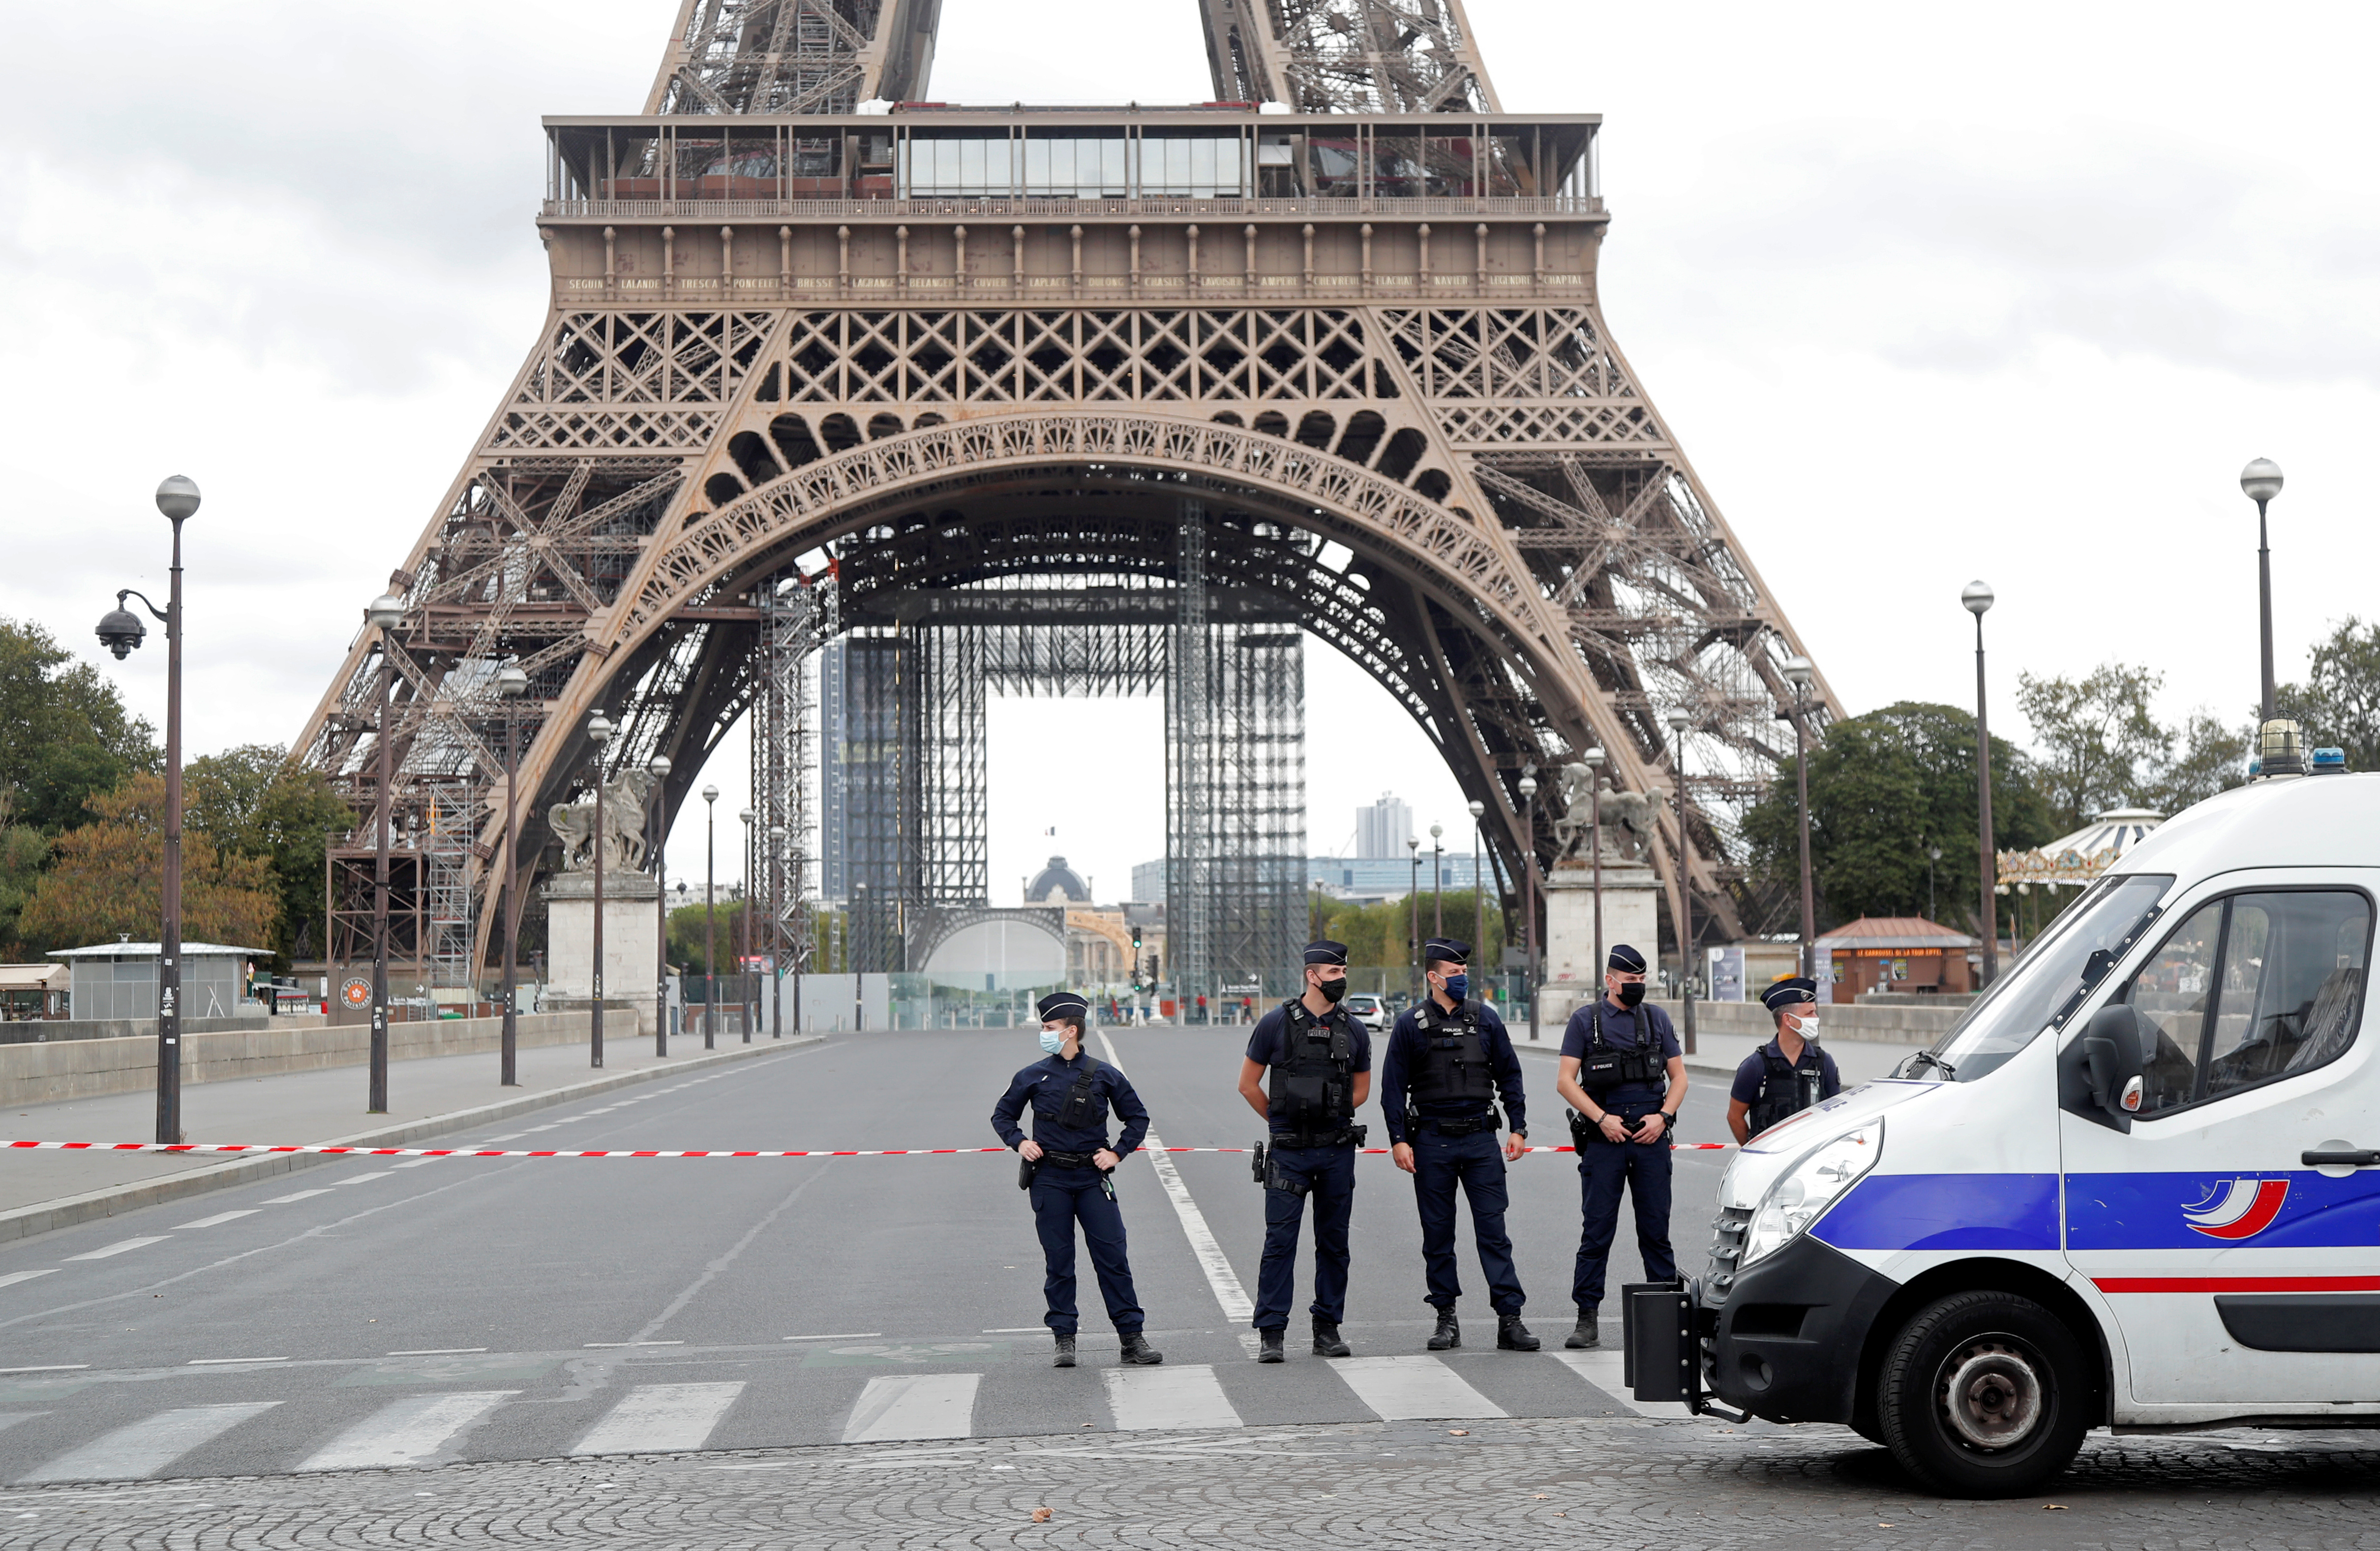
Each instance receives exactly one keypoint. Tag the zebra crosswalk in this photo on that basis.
(436, 1427)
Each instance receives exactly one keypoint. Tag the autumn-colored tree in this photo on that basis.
(107, 881)
(253, 801)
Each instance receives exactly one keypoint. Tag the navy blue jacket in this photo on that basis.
(1401, 1065)
(1046, 1084)
(1619, 1032)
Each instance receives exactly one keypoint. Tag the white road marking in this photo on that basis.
(147, 1447)
(1018, 1330)
(1225, 1282)
(10, 1419)
(221, 1217)
(901, 1406)
(121, 1245)
(437, 1351)
(408, 1432)
(295, 1195)
(13, 1277)
(594, 1344)
(1604, 1370)
(1148, 1399)
(53, 1368)
(377, 1174)
(226, 1362)
(846, 1335)
(1411, 1388)
(660, 1419)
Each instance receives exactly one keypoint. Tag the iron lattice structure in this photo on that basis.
(1342, 367)
(797, 617)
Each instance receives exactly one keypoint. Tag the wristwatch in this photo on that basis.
(1669, 1121)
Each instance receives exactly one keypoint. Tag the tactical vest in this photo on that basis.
(1313, 1088)
(1082, 1108)
(1605, 1067)
(1785, 1089)
(1453, 1056)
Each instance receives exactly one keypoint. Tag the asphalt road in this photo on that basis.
(456, 1309)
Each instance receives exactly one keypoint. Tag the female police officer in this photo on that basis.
(1068, 1167)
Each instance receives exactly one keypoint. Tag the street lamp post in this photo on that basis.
(1933, 860)
(1438, 879)
(383, 613)
(709, 917)
(1529, 896)
(1593, 758)
(857, 943)
(2261, 481)
(1799, 672)
(747, 995)
(1478, 887)
(1977, 597)
(120, 631)
(598, 733)
(659, 766)
(1412, 895)
(512, 682)
(1679, 722)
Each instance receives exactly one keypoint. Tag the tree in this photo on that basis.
(108, 881)
(64, 735)
(2099, 746)
(2340, 703)
(2212, 758)
(251, 801)
(24, 850)
(1378, 935)
(1883, 788)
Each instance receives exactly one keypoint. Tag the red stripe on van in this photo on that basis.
(2237, 1284)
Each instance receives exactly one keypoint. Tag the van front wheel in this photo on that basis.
(1983, 1395)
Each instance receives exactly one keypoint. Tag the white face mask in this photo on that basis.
(1807, 1028)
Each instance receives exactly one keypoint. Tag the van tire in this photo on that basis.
(1983, 1395)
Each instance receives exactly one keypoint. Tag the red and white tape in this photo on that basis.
(640, 1152)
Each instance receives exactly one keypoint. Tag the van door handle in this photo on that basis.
(2361, 1158)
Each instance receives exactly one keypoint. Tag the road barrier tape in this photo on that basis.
(646, 1152)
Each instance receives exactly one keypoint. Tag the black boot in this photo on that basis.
(1065, 1358)
(1326, 1339)
(1512, 1335)
(1138, 1350)
(1586, 1334)
(1449, 1334)
(1269, 1347)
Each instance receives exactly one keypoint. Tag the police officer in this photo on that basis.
(1447, 1060)
(1789, 1074)
(1069, 1166)
(1318, 1059)
(1623, 1076)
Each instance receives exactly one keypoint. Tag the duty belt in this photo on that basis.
(1346, 1136)
(1459, 1124)
(1068, 1160)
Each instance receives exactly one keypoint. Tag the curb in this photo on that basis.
(46, 1216)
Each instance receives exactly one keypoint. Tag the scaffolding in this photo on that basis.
(797, 616)
(1190, 733)
(1257, 803)
(448, 869)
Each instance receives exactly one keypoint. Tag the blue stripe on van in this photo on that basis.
(2156, 1211)
(1944, 1211)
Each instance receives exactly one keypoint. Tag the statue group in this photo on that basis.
(1628, 818)
(623, 826)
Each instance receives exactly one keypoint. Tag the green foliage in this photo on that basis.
(2213, 758)
(1381, 936)
(2099, 746)
(1884, 788)
(108, 881)
(65, 736)
(251, 801)
(687, 937)
(24, 851)
(2340, 702)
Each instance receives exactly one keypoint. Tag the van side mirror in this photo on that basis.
(2100, 1075)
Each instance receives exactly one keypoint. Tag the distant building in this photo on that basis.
(1383, 829)
(1387, 877)
(1057, 885)
(1149, 882)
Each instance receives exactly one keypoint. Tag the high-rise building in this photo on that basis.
(1381, 829)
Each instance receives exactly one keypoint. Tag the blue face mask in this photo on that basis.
(1053, 1040)
(1458, 987)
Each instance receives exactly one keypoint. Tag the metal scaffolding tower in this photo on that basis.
(1190, 736)
(457, 815)
(797, 616)
(1256, 771)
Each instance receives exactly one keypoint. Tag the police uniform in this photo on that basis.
(1605, 1166)
(1071, 1100)
(1310, 1110)
(1439, 1081)
(1773, 1088)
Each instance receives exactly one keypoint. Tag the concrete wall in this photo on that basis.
(47, 1031)
(85, 1069)
(1884, 1025)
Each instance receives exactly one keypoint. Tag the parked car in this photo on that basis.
(1368, 1010)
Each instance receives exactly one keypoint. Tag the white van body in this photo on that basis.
(1977, 1260)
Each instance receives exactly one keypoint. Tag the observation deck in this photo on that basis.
(929, 203)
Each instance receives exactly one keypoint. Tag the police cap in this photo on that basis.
(1446, 950)
(1062, 1004)
(1325, 951)
(1625, 959)
(1794, 991)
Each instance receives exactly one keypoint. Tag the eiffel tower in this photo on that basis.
(826, 361)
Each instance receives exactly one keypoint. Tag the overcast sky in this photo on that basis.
(1926, 294)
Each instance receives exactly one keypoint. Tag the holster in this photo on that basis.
(1026, 1169)
(1258, 1159)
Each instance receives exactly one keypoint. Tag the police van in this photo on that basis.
(2137, 1186)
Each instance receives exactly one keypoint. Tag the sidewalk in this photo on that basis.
(1719, 1055)
(309, 1107)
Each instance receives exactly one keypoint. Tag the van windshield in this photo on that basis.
(2049, 982)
